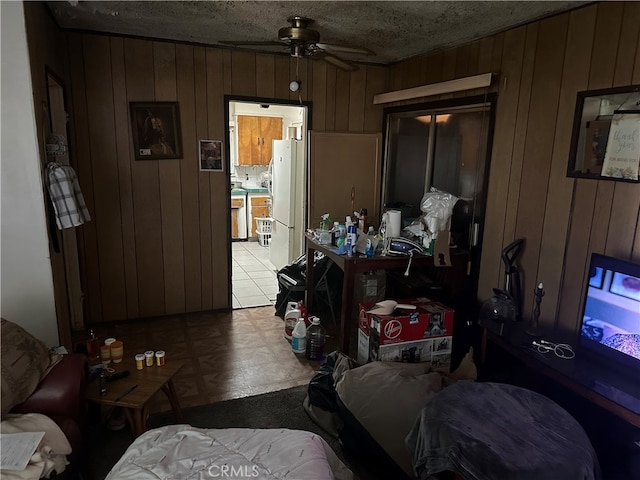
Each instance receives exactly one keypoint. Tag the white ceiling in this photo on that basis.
(394, 30)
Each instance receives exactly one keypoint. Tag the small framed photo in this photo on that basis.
(156, 130)
(625, 286)
(210, 155)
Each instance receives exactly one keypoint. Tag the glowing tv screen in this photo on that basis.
(611, 311)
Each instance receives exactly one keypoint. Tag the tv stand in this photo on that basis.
(582, 375)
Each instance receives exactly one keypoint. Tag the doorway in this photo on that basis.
(63, 247)
(445, 145)
(264, 237)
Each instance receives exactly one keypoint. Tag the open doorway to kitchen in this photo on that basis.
(268, 187)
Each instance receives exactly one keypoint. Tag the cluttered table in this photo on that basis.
(351, 266)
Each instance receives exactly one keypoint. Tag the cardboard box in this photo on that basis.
(435, 351)
(423, 335)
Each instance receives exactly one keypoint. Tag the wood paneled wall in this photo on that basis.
(158, 242)
(541, 67)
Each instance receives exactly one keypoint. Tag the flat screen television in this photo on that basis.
(611, 313)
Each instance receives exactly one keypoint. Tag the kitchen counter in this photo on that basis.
(256, 189)
(238, 191)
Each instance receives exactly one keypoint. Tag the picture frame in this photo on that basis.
(156, 130)
(210, 155)
(593, 114)
(625, 286)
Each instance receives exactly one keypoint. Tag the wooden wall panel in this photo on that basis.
(99, 94)
(502, 161)
(319, 98)
(265, 76)
(200, 60)
(170, 187)
(558, 203)
(121, 114)
(146, 188)
(87, 240)
(357, 97)
(342, 101)
(539, 69)
(189, 170)
(376, 83)
(537, 154)
(219, 78)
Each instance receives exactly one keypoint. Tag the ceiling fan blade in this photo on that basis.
(344, 49)
(240, 43)
(338, 62)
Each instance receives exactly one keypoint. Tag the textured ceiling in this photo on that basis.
(393, 30)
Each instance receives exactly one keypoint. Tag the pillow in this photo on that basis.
(25, 361)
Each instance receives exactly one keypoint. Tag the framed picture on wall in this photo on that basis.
(156, 130)
(210, 155)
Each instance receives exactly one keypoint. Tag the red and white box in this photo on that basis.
(420, 335)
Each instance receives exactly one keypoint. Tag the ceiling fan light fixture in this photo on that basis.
(298, 50)
(294, 86)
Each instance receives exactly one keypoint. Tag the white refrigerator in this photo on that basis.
(288, 182)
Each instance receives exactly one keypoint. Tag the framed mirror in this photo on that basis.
(592, 124)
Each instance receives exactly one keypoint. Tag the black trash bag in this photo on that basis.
(321, 388)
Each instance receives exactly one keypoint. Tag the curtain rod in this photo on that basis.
(450, 86)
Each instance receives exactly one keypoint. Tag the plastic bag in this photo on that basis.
(437, 207)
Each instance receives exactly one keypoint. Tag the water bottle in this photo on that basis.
(299, 337)
(352, 236)
(315, 340)
(335, 233)
(291, 318)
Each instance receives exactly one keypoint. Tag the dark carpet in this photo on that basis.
(282, 409)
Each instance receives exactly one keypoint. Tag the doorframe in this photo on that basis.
(459, 103)
(227, 155)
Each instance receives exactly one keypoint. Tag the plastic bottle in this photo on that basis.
(371, 241)
(362, 220)
(352, 236)
(299, 337)
(315, 340)
(335, 232)
(93, 348)
(342, 235)
(290, 319)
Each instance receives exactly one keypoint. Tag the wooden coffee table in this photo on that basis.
(147, 382)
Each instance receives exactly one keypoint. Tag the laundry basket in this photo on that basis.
(263, 227)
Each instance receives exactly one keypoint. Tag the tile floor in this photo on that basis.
(226, 354)
(253, 277)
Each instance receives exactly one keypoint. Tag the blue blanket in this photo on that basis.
(486, 431)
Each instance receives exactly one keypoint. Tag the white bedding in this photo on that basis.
(184, 452)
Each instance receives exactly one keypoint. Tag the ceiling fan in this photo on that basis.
(303, 41)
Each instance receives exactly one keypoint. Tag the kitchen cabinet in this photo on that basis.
(255, 134)
(259, 208)
(238, 216)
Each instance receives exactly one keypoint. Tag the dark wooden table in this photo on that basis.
(579, 374)
(351, 266)
(147, 382)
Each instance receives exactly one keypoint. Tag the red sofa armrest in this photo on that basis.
(61, 392)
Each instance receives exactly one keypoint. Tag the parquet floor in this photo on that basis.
(227, 355)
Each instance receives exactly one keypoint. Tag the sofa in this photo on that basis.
(42, 390)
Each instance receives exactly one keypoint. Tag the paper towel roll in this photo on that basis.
(394, 220)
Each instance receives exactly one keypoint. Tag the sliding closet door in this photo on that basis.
(446, 147)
